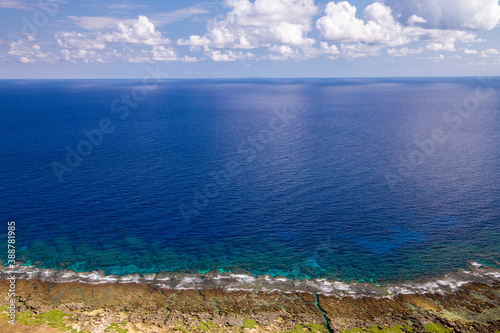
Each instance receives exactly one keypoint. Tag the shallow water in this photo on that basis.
(294, 178)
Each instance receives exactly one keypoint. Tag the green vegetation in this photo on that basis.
(205, 326)
(54, 319)
(182, 329)
(435, 328)
(249, 323)
(115, 328)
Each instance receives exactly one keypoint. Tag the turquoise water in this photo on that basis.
(375, 180)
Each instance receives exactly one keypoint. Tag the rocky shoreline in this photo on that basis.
(44, 306)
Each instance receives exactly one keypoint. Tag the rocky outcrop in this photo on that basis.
(116, 307)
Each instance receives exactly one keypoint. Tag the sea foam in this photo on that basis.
(246, 282)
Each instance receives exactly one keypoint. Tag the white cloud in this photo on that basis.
(76, 40)
(229, 55)
(142, 56)
(282, 26)
(467, 51)
(446, 36)
(282, 52)
(160, 53)
(434, 59)
(403, 52)
(189, 59)
(449, 14)
(25, 60)
(331, 50)
(479, 63)
(89, 47)
(195, 42)
(261, 23)
(66, 55)
(414, 19)
(378, 27)
(89, 56)
(489, 53)
(29, 53)
(357, 50)
(157, 53)
(441, 47)
(142, 31)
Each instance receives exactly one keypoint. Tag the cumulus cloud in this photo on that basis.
(142, 31)
(66, 55)
(229, 55)
(189, 59)
(283, 52)
(260, 23)
(76, 40)
(467, 51)
(357, 50)
(161, 53)
(195, 42)
(415, 19)
(379, 27)
(284, 29)
(29, 52)
(489, 53)
(139, 57)
(435, 59)
(92, 47)
(441, 47)
(446, 14)
(139, 31)
(330, 50)
(89, 56)
(158, 53)
(403, 52)
(282, 26)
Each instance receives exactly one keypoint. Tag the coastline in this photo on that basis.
(228, 281)
(465, 301)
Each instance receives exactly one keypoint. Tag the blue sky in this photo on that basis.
(249, 38)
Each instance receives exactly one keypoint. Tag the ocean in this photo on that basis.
(368, 180)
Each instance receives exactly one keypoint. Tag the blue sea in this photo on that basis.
(378, 180)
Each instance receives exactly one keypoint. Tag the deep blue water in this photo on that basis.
(299, 178)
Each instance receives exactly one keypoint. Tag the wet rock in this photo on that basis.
(147, 308)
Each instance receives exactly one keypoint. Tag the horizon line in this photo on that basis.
(260, 78)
